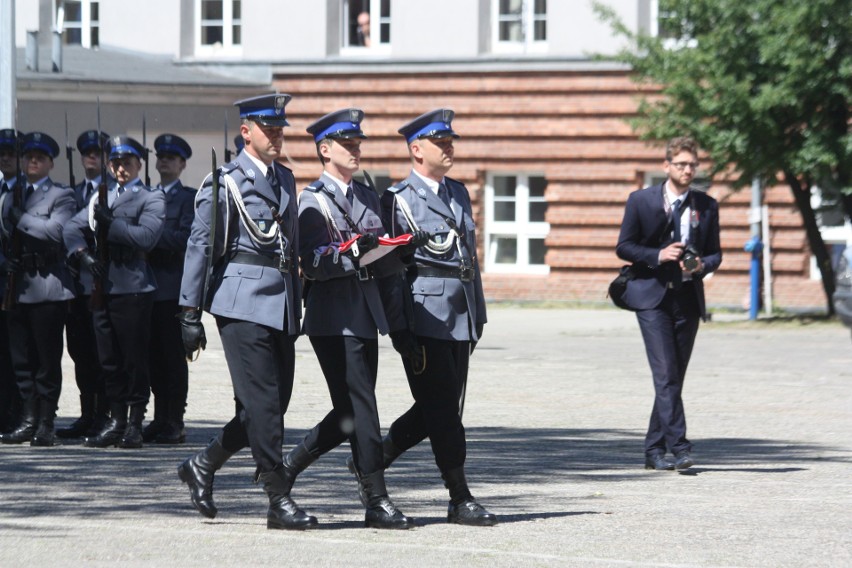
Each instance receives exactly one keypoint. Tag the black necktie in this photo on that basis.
(349, 195)
(5, 188)
(676, 214)
(273, 181)
(30, 191)
(90, 187)
(442, 193)
(120, 189)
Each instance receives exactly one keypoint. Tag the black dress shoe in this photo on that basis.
(79, 428)
(171, 433)
(683, 460)
(152, 430)
(659, 463)
(470, 513)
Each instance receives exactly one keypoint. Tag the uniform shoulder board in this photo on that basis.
(397, 187)
(315, 186)
(229, 167)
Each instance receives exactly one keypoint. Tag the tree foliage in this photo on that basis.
(764, 86)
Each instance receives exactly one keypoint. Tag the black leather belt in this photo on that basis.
(121, 253)
(33, 260)
(464, 274)
(280, 264)
(364, 273)
(162, 257)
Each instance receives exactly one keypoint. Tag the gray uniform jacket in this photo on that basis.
(44, 277)
(445, 308)
(344, 299)
(256, 293)
(139, 217)
(167, 257)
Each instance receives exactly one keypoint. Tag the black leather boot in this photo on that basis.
(389, 453)
(82, 425)
(112, 431)
(132, 437)
(26, 426)
(45, 434)
(173, 431)
(153, 429)
(283, 513)
(463, 508)
(295, 462)
(197, 472)
(101, 414)
(381, 512)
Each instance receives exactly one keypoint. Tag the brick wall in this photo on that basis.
(570, 127)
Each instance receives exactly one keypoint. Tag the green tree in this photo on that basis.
(763, 85)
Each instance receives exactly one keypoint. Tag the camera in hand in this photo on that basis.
(690, 258)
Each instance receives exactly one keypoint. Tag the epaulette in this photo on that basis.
(397, 187)
(229, 167)
(315, 186)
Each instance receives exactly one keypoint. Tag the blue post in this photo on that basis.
(754, 246)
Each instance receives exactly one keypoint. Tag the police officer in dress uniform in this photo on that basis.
(169, 373)
(133, 221)
(670, 232)
(448, 306)
(255, 297)
(43, 287)
(9, 398)
(344, 309)
(79, 329)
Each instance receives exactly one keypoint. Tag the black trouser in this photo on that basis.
(9, 396)
(261, 363)
(168, 370)
(122, 333)
(35, 344)
(350, 365)
(82, 348)
(435, 412)
(669, 332)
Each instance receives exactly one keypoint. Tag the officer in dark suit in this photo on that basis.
(670, 232)
(43, 287)
(79, 329)
(9, 398)
(344, 309)
(255, 296)
(133, 220)
(448, 305)
(169, 373)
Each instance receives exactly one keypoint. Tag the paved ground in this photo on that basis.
(557, 405)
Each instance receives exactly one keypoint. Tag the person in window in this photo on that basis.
(363, 33)
(447, 306)
(670, 232)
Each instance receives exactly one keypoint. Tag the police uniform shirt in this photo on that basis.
(90, 187)
(344, 188)
(432, 184)
(114, 190)
(168, 188)
(260, 165)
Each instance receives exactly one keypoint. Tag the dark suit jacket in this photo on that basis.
(645, 230)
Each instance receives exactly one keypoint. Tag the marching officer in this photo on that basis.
(255, 296)
(344, 309)
(9, 399)
(131, 223)
(448, 306)
(168, 371)
(39, 287)
(79, 329)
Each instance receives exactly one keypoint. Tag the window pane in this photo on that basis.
(237, 9)
(537, 211)
(537, 186)
(504, 210)
(211, 35)
(384, 32)
(540, 31)
(506, 250)
(95, 37)
(73, 36)
(95, 12)
(236, 31)
(211, 9)
(511, 7)
(73, 12)
(385, 9)
(510, 31)
(505, 186)
(540, 7)
(537, 251)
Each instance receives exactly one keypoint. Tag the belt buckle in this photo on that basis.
(466, 274)
(363, 273)
(284, 264)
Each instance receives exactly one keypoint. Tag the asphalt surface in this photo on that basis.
(558, 401)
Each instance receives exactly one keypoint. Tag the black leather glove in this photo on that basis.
(405, 343)
(419, 238)
(192, 332)
(104, 216)
(15, 214)
(95, 266)
(366, 243)
(11, 265)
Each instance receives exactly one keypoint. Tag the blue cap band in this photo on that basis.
(337, 127)
(429, 128)
(171, 149)
(123, 149)
(261, 112)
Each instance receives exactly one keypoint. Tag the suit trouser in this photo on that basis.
(350, 365)
(168, 369)
(261, 363)
(435, 413)
(82, 348)
(35, 344)
(9, 396)
(669, 332)
(122, 333)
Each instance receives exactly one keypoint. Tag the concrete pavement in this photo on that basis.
(558, 401)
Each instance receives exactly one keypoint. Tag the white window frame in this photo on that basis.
(377, 48)
(521, 229)
(227, 47)
(831, 234)
(528, 19)
(670, 42)
(85, 24)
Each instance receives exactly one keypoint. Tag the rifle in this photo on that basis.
(211, 240)
(10, 297)
(69, 153)
(145, 147)
(227, 150)
(96, 302)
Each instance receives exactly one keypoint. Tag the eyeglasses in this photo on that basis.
(683, 165)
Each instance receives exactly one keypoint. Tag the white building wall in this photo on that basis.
(284, 29)
(435, 29)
